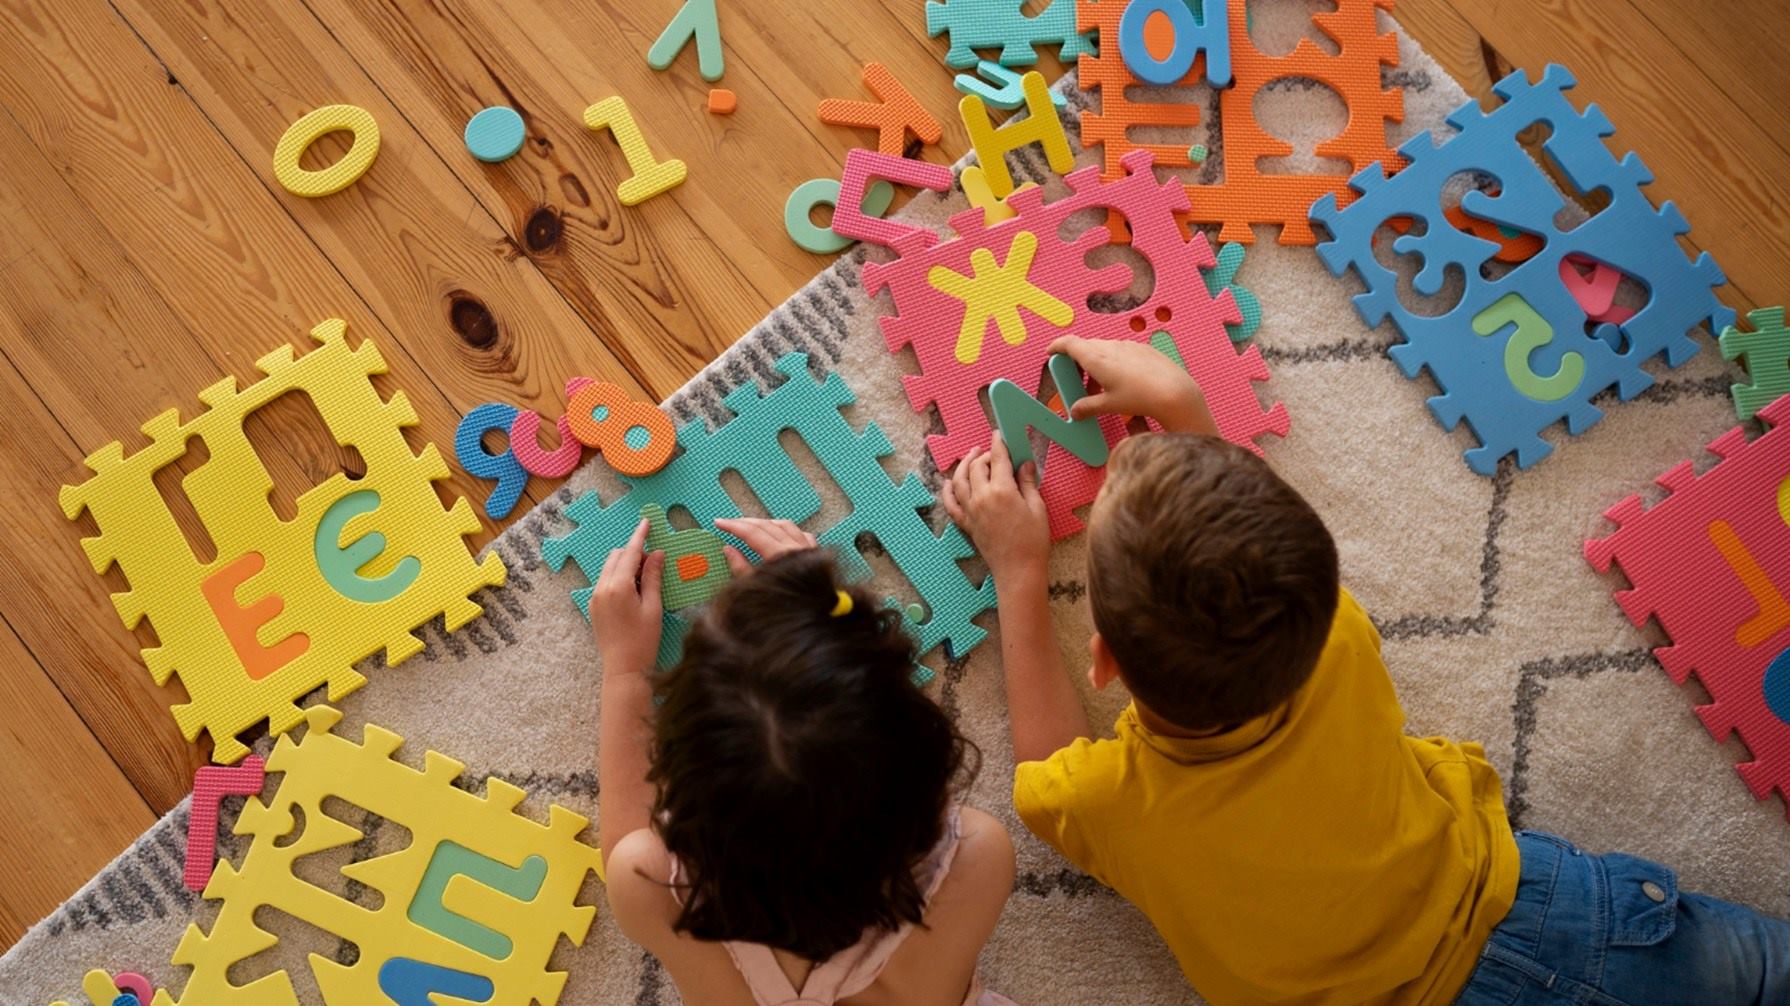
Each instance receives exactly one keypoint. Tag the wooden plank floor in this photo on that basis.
(145, 250)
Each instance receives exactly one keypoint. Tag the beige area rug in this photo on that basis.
(1496, 630)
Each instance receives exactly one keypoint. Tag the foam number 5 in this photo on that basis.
(1532, 333)
(634, 437)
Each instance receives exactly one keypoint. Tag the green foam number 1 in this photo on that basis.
(1016, 412)
(341, 564)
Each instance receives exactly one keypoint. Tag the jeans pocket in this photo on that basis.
(1643, 901)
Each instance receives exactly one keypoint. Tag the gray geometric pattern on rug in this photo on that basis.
(1495, 630)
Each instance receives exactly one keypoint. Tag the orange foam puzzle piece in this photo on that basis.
(1248, 196)
(895, 114)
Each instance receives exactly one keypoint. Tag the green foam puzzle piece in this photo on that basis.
(695, 566)
(1230, 259)
(451, 859)
(1766, 350)
(697, 20)
(749, 445)
(1016, 412)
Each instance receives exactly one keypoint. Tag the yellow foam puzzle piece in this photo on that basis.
(442, 819)
(231, 691)
(1041, 125)
(307, 130)
(649, 175)
(977, 191)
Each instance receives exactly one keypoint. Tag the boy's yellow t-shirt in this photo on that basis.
(1317, 855)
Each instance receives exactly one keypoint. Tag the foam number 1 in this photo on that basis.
(634, 437)
(650, 175)
(1532, 333)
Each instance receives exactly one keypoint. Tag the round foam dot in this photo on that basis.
(495, 134)
(637, 438)
(1198, 153)
(1777, 686)
(599, 414)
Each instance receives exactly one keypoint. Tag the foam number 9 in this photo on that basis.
(508, 472)
(634, 437)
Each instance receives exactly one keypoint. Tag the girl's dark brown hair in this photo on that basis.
(801, 776)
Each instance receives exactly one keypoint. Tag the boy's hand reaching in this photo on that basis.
(1002, 511)
(1136, 380)
(626, 609)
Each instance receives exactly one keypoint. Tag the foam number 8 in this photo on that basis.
(636, 438)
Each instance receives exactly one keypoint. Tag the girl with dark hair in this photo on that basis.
(783, 828)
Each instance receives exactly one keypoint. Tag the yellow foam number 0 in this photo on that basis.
(314, 126)
(650, 176)
(635, 438)
(1532, 333)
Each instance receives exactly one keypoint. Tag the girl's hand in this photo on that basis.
(1002, 511)
(1136, 380)
(769, 538)
(626, 610)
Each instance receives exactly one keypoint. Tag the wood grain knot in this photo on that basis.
(543, 229)
(472, 319)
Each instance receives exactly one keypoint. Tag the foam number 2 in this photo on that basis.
(1532, 333)
(650, 175)
(1016, 412)
(634, 437)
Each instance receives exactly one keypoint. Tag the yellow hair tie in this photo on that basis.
(842, 606)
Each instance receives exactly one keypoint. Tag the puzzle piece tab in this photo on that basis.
(986, 24)
(749, 445)
(288, 593)
(930, 320)
(1711, 563)
(509, 931)
(1629, 235)
(1766, 350)
(1248, 195)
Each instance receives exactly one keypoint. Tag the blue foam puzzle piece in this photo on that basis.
(409, 982)
(1010, 92)
(510, 476)
(748, 445)
(1630, 234)
(986, 24)
(1208, 31)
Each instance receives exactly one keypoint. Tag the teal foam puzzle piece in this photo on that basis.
(748, 444)
(1766, 352)
(695, 566)
(1224, 277)
(451, 860)
(1011, 92)
(698, 20)
(986, 24)
(1016, 413)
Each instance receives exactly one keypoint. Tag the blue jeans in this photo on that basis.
(1615, 931)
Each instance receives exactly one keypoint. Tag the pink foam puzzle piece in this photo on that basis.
(210, 785)
(929, 319)
(554, 464)
(864, 166)
(1594, 284)
(1711, 563)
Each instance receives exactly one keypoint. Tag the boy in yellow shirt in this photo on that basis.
(1261, 803)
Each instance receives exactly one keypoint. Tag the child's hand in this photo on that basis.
(1136, 380)
(1002, 511)
(626, 615)
(769, 538)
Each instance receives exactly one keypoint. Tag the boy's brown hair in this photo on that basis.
(1212, 581)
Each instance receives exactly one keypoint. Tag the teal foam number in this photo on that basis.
(341, 564)
(451, 860)
(697, 20)
(1224, 277)
(408, 982)
(1016, 412)
(748, 444)
(1009, 95)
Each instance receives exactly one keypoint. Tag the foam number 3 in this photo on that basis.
(1532, 333)
(469, 449)
(451, 859)
(650, 176)
(634, 437)
(341, 564)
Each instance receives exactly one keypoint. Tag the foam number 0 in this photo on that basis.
(1532, 333)
(634, 437)
(314, 126)
(650, 176)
